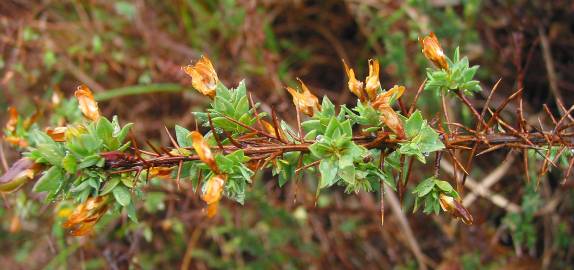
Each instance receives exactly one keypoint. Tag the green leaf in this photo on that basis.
(182, 137)
(122, 195)
(331, 128)
(90, 161)
(414, 124)
(424, 187)
(131, 210)
(104, 129)
(110, 184)
(51, 152)
(321, 150)
(123, 133)
(69, 163)
(328, 169)
(50, 181)
(347, 169)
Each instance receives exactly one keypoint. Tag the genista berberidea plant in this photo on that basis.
(89, 159)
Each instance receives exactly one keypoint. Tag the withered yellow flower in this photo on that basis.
(455, 208)
(203, 76)
(160, 172)
(305, 101)
(355, 86)
(212, 193)
(86, 215)
(57, 134)
(388, 115)
(12, 120)
(433, 51)
(372, 81)
(87, 103)
(203, 150)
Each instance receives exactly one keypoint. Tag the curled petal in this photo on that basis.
(57, 134)
(203, 150)
(455, 208)
(372, 82)
(87, 103)
(305, 101)
(355, 86)
(203, 76)
(433, 51)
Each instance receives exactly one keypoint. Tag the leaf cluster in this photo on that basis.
(459, 77)
(75, 168)
(428, 192)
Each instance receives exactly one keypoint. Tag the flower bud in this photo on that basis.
(87, 103)
(432, 50)
(203, 76)
(305, 102)
(455, 208)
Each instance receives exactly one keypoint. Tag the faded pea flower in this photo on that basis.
(203, 76)
(388, 115)
(372, 81)
(87, 103)
(57, 134)
(86, 215)
(305, 102)
(432, 50)
(455, 208)
(203, 150)
(19, 174)
(160, 172)
(355, 86)
(12, 120)
(212, 193)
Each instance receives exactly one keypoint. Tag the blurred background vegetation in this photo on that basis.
(130, 53)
